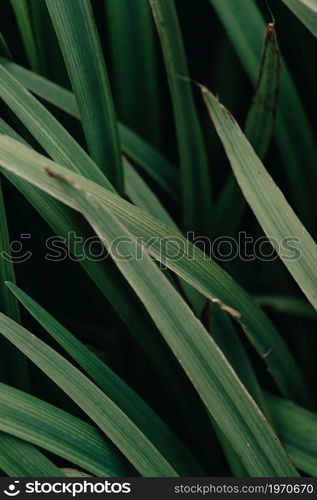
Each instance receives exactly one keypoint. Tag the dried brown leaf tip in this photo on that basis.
(228, 309)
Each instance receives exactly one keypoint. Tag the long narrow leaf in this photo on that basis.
(297, 428)
(260, 120)
(134, 64)
(21, 11)
(4, 48)
(58, 432)
(47, 130)
(306, 11)
(196, 192)
(155, 165)
(75, 28)
(14, 366)
(21, 459)
(258, 129)
(287, 305)
(266, 200)
(140, 194)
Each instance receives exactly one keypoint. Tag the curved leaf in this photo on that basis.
(306, 11)
(267, 201)
(21, 459)
(58, 432)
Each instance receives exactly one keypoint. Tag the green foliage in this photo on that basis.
(153, 360)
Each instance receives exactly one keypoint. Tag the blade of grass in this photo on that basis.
(222, 330)
(211, 374)
(22, 15)
(21, 459)
(49, 53)
(195, 180)
(225, 335)
(78, 38)
(244, 25)
(297, 428)
(4, 48)
(164, 243)
(287, 305)
(47, 130)
(306, 11)
(59, 432)
(130, 30)
(14, 366)
(101, 409)
(258, 129)
(74, 472)
(115, 388)
(265, 199)
(161, 171)
(140, 194)
(259, 124)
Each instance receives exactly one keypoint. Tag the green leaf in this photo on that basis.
(58, 432)
(21, 459)
(258, 129)
(161, 171)
(13, 365)
(297, 428)
(140, 194)
(164, 243)
(8, 303)
(225, 335)
(21, 11)
(134, 65)
(77, 34)
(74, 472)
(47, 130)
(4, 48)
(287, 305)
(266, 200)
(196, 192)
(101, 409)
(115, 388)
(259, 125)
(306, 11)
(245, 26)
